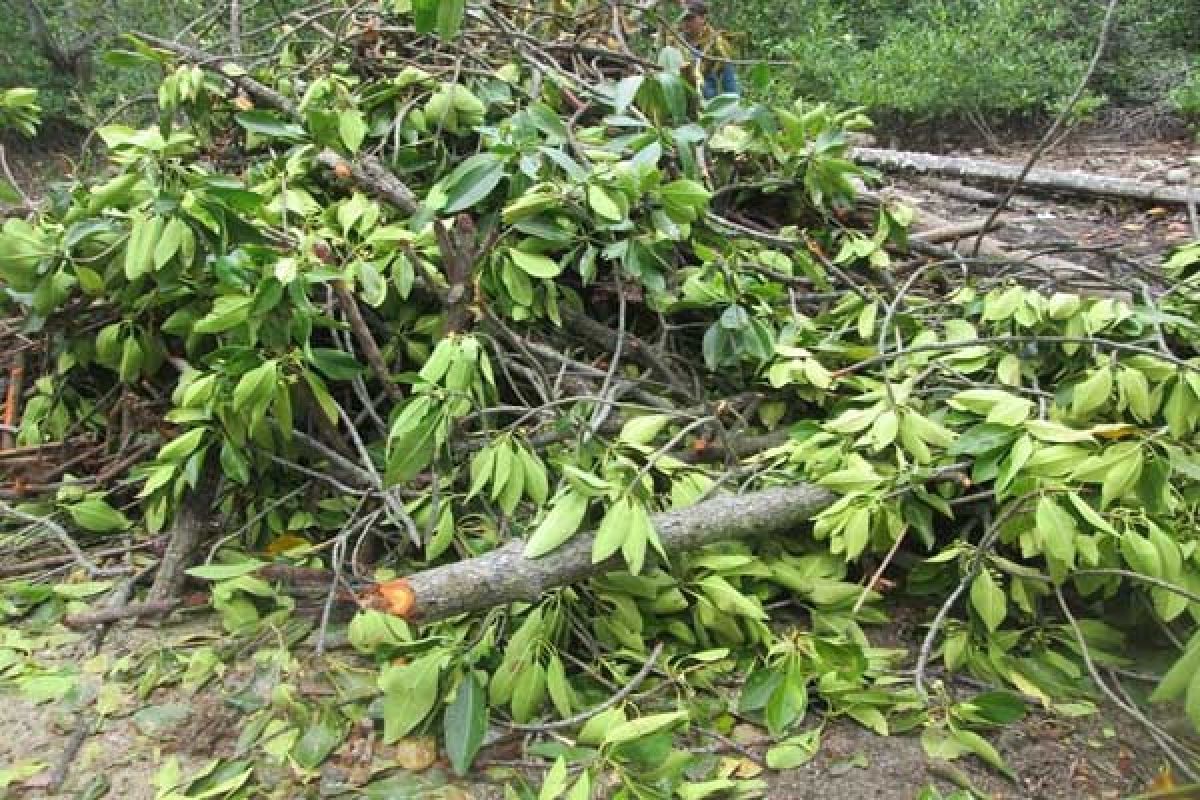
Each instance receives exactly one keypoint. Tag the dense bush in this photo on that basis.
(935, 59)
(86, 95)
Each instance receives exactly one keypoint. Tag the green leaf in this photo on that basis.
(1191, 702)
(169, 243)
(1121, 478)
(642, 726)
(98, 516)
(559, 525)
(225, 572)
(759, 687)
(555, 782)
(472, 181)
(684, 200)
(228, 311)
(730, 600)
(537, 482)
(1093, 392)
(325, 401)
(465, 723)
(536, 265)
(371, 630)
(558, 686)
(795, 751)
(604, 204)
(980, 747)
(337, 365)
(139, 251)
(132, 359)
(425, 15)
(982, 439)
(270, 125)
(1179, 676)
(1058, 530)
(626, 91)
(181, 447)
(409, 694)
(1135, 388)
(1056, 432)
(9, 193)
(787, 704)
(613, 529)
(450, 17)
(255, 389)
(352, 127)
(988, 600)
(529, 692)
(318, 741)
(999, 707)
(642, 430)
(374, 287)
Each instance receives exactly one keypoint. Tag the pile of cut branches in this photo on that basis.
(483, 327)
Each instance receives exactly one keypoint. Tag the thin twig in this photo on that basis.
(584, 716)
(59, 531)
(1157, 733)
(1048, 139)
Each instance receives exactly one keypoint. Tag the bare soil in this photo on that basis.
(1102, 756)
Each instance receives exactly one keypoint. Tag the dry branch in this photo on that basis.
(505, 576)
(960, 191)
(365, 340)
(1073, 182)
(956, 231)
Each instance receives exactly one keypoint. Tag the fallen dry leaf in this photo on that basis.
(416, 753)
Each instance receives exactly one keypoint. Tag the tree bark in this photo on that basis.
(1075, 182)
(369, 173)
(366, 340)
(505, 576)
(955, 232)
(189, 530)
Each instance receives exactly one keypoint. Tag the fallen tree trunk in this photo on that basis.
(506, 576)
(1074, 182)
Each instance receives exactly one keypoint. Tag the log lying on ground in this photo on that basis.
(954, 232)
(960, 191)
(1074, 182)
(505, 576)
(1081, 278)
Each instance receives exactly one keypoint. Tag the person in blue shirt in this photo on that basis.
(712, 52)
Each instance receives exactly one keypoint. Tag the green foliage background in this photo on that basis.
(22, 63)
(929, 59)
(934, 59)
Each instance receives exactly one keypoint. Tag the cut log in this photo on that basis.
(506, 576)
(1073, 182)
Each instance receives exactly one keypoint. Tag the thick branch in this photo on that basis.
(370, 174)
(189, 530)
(505, 576)
(228, 68)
